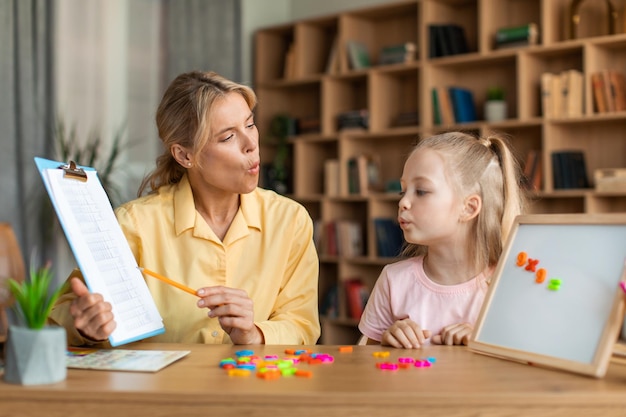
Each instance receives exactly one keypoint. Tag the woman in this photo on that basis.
(249, 252)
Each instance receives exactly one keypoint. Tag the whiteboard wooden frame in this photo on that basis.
(503, 277)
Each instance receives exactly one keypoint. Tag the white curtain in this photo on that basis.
(26, 113)
(202, 35)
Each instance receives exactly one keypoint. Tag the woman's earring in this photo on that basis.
(189, 164)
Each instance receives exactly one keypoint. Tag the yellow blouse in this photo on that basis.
(268, 252)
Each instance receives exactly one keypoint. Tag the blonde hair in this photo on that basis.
(183, 118)
(485, 166)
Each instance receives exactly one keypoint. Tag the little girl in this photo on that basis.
(460, 196)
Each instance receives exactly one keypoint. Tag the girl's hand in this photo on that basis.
(405, 334)
(235, 312)
(93, 317)
(455, 334)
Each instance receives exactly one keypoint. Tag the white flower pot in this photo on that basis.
(35, 357)
(495, 110)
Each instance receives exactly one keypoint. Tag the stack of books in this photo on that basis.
(514, 36)
(396, 54)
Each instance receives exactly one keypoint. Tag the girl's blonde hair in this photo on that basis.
(485, 166)
(183, 118)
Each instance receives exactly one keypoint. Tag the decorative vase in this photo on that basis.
(495, 110)
(35, 357)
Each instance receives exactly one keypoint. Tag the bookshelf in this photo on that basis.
(312, 90)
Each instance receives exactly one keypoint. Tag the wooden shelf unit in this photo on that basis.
(386, 91)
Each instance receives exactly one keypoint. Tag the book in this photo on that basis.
(618, 84)
(569, 170)
(289, 70)
(332, 65)
(368, 174)
(547, 93)
(457, 39)
(358, 55)
(533, 171)
(436, 107)
(609, 93)
(330, 303)
(558, 96)
(357, 295)
(572, 85)
(599, 92)
(528, 33)
(331, 177)
(445, 106)
(446, 39)
(349, 238)
(389, 237)
(463, 105)
(353, 176)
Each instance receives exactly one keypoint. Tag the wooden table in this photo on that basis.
(460, 383)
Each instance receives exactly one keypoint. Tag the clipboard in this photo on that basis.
(100, 248)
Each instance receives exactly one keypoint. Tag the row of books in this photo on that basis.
(446, 39)
(353, 119)
(338, 238)
(569, 170)
(562, 94)
(453, 105)
(356, 295)
(609, 91)
(364, 174)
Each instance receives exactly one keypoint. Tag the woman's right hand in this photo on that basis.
(405, 334)
(93, 317)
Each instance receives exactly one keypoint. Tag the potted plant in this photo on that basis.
(495, 106)
(35, 352)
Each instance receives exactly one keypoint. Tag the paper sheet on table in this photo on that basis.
(122, 359)
(102, 252)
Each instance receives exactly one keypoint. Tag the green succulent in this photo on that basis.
(32, 298)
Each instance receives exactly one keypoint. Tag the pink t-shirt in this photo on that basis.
(404, 291)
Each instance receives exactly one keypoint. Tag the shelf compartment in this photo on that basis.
(309, 160)
(390, 151)
(601, 203)
(497, 14)
(460, 12)
(378, 27)
(538, 61)
(394, 99)
(594, 138)
(342, 94)
(274, 43)
(313, 45)
(476, 76)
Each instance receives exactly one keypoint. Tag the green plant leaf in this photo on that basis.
(33, 304)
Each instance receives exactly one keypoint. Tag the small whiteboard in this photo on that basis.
(570, 321)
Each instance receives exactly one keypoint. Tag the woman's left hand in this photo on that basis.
(455, 334)
(235, 312)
